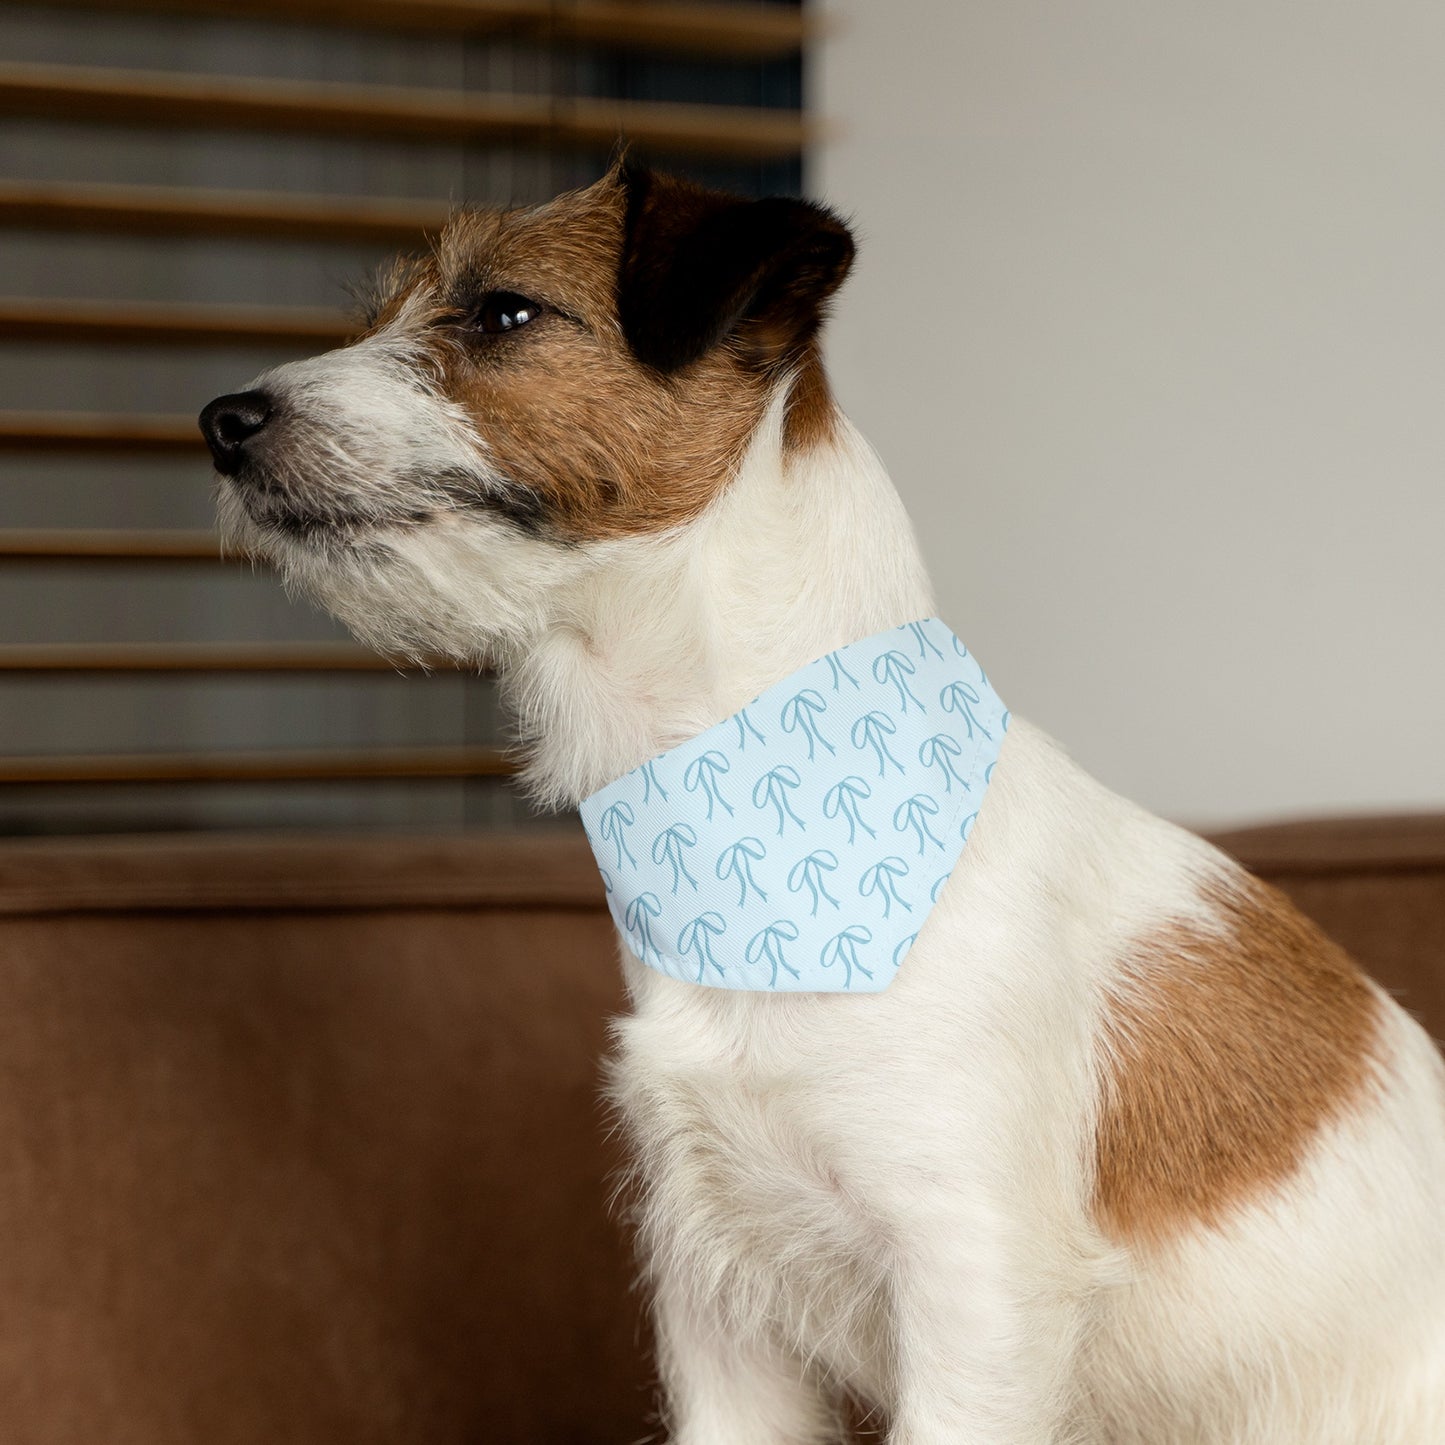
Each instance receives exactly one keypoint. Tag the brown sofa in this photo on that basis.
(300, 1138)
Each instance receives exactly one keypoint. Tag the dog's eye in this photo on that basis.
(504, 311)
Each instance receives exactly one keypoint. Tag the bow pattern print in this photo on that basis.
(617, 818)
(746, 729)
(650, 783)
(809, 873)
(696, 938)
(925, 643)
(882, 879)
(773, 787)
(703, 772)
(839, 671)
(841, 801)
(736, 861)
(843, 948)
(941, 752)
(914, 813)
(794, 802)
(962, 698)
(873, 730)
(768, 944)
(894, 667)
(800, 714)
(668, 847)
(640, 913)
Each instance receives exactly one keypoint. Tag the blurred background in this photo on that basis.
(1147, 324)
(187, 191)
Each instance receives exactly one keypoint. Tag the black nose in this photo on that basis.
(229, 422)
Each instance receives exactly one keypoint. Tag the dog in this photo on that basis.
(1127, 1153)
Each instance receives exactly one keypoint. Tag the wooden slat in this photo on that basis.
(72, 544)
(190, 657)
(716, 29)
(259, 767)
(77, 431)
(213, 102)
(169, 324)
(753, 31)
(173, 211)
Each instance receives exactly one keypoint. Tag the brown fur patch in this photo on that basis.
(596, 443)
(566, 411)
(604, 445)
(382, 299)
(1226, 1053)
(812, 415)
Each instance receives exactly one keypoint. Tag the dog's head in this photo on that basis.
(545, 384)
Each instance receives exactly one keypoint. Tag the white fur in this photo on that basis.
(890, 1195)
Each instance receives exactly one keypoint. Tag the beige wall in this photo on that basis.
(1149, 324)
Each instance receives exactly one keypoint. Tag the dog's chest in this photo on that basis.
(745, 1183)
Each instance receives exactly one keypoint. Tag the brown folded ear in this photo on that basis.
(700, 266)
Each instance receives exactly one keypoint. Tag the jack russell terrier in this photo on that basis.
(956, 1085)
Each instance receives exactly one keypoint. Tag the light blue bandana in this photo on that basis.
(799, 845)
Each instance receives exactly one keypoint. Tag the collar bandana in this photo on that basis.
(799, 845)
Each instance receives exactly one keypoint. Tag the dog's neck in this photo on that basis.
(805, 551)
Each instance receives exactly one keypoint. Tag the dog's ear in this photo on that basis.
(699, 266)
